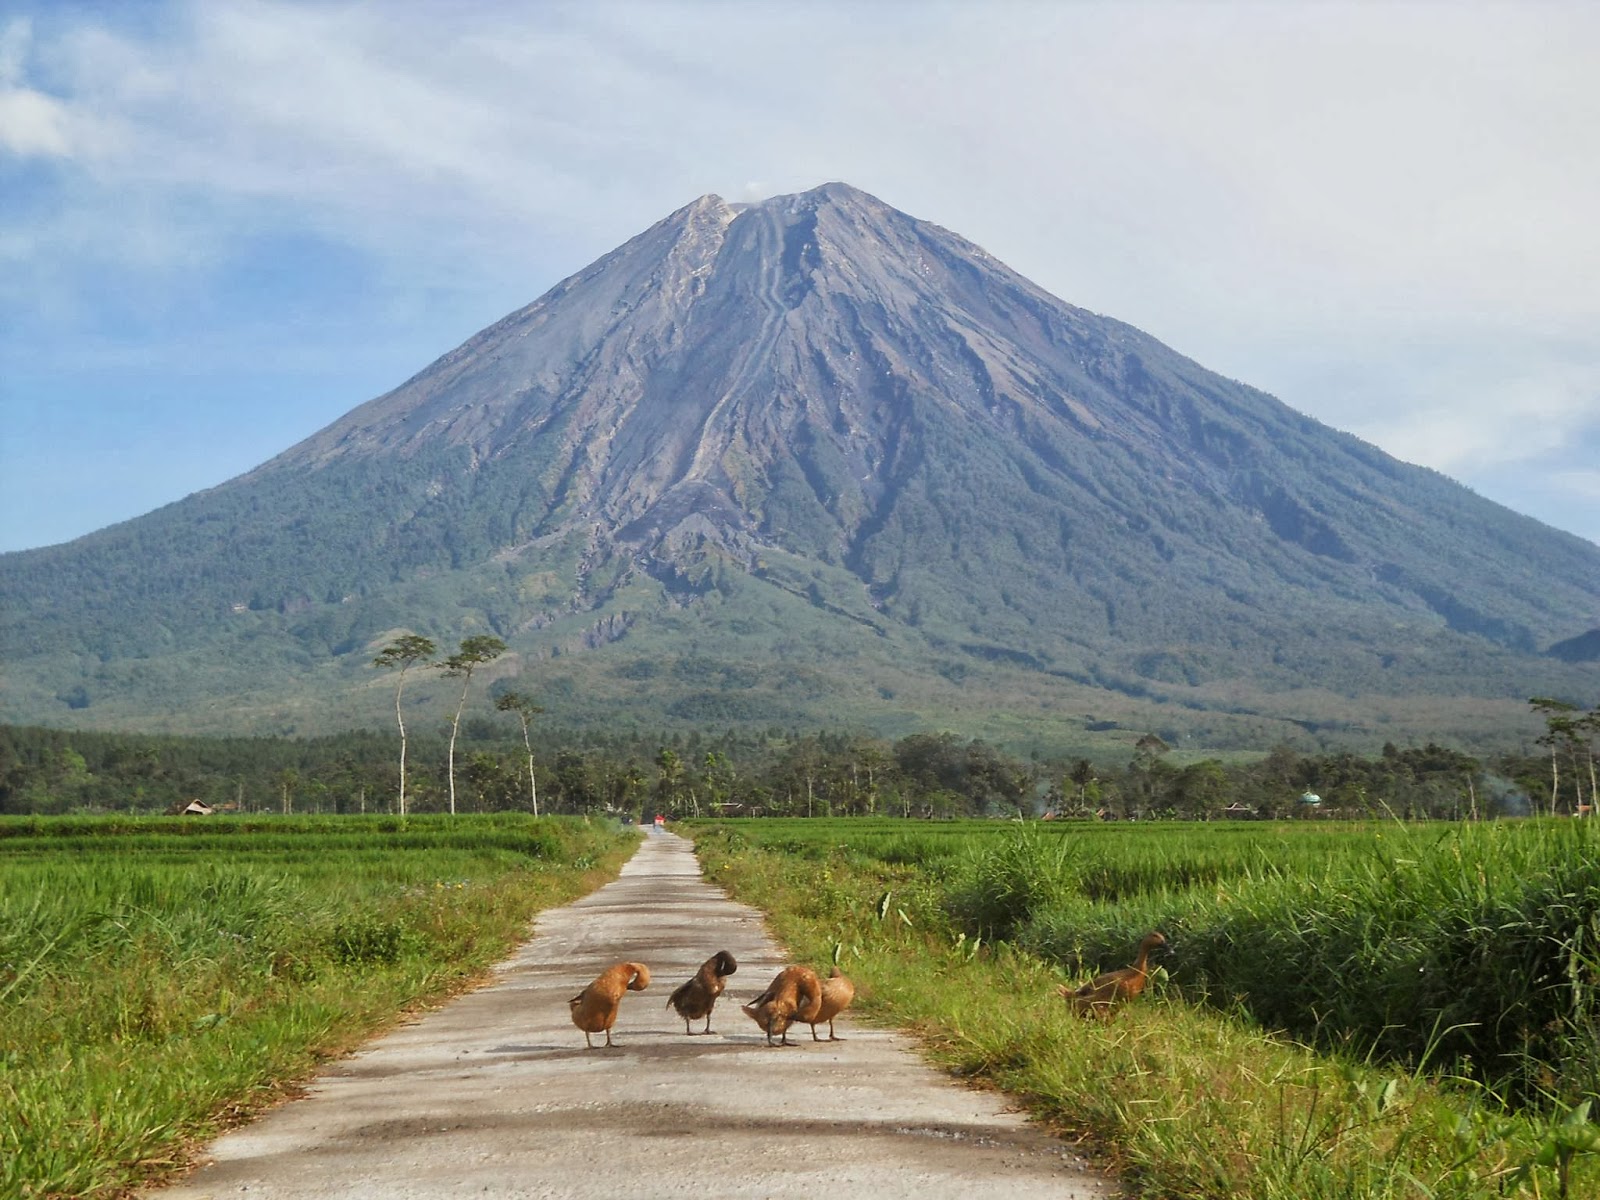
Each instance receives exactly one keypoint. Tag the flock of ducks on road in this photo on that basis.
(798, 993)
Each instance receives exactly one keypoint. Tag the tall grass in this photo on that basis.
(1404, 952)
(1469, 943)
(158, 980)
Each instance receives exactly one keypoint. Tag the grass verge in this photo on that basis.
(160, 982)
(1183, 1101)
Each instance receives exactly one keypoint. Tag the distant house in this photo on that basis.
(193, 808)
(1310, 799)
(1240, 812)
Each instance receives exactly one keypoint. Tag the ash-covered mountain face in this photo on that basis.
(848, 454)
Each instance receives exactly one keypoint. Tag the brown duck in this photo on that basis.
(698, 996)
(794, 995)
(594, 1010)
(837, 992)
(1103, 993)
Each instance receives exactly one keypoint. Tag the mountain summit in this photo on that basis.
(813, 459)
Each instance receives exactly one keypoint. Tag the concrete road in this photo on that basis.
(495, 1094)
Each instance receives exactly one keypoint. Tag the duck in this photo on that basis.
(837, 993)
(795, 993)
(1100, 996)
(594, 1010)
(696, 997)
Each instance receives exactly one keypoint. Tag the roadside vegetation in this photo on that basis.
(163, 978)
(1351, 1010)
(1403, 1005)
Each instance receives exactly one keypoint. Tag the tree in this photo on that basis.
(719, 780)
(404, 652)
(487, 777)
(575, 781)
(526, 710)
(1147, 773)
(1589, 728)
(474, 652)
(670, 768)
(1562, 731)
(629, 784)
(1082, 776)
(288, 780)
(1202, 789)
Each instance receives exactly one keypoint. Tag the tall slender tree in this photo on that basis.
(404, 653)
(670, 768)
(288, 780)
(1561, 732)
(526, 710)
(474, 652)
(1589, 724)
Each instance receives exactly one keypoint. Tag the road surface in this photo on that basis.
(495, 1094)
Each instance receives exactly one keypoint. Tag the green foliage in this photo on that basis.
(158, 977)
(406, 652)
(1006, 885)
(1475, 944)
(770, 772)
(1189, 1099)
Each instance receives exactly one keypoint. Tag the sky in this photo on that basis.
(223, 225)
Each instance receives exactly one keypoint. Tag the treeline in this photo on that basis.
(777, 773)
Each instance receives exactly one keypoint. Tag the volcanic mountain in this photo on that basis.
(814, 461)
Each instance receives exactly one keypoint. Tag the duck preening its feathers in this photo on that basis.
(695, 998)
(594, 1010)
(795, 994)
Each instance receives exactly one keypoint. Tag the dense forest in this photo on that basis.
(782, 773)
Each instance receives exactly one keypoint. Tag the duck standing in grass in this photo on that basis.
(1103, 993)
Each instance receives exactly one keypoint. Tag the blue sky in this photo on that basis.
(222, 225)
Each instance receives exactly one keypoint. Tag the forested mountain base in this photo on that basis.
(776, 773)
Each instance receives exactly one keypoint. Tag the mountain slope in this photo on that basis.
(809, 459)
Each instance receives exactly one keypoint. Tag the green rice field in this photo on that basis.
(1349, 1009)
(163, 977)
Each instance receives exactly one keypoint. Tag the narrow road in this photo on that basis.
(496, 1095)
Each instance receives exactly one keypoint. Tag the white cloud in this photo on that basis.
(31, 123)
(15, 38)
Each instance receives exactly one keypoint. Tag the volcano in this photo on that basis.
(813, 461)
